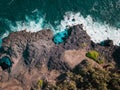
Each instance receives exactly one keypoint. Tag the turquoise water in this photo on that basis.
(0, 42)
(6, 63)
(16, 12)
(6, 60)
(61, 36)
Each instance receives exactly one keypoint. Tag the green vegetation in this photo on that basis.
(101, 60)
(83, 77)
(83, 44)
(40, 84)
(95, 56)
(93, 79)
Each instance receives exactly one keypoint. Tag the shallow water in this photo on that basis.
(101, 18)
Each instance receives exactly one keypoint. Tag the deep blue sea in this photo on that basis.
(97, 16)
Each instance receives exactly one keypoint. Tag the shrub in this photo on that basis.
(40, 84)
(101, 61)
(94, 79)
(93, 55)
(84, 44)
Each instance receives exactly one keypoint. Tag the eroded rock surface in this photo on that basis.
(35, 56)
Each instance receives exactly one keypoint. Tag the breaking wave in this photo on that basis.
(98, 31)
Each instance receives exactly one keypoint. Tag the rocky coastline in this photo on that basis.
(36, 58)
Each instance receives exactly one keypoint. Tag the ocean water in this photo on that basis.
(100, 18)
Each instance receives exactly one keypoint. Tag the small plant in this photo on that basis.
(93, 55)
(93, 79)
(101, 60)
(40, 84)
(84, 44)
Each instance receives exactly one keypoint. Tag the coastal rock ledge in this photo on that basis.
(35, 56)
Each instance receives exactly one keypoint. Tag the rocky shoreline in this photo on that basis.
(35, 57)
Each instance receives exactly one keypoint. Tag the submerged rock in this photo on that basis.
(107, 43)
(116, 56)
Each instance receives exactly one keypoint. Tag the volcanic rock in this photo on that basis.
(35, 56)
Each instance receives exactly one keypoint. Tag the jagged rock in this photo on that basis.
(86, 64)
(107, 43)
(37, 52)
(116, 56)
(26, 50)
(16, 43)
(105, 51)
(20, 44)
(35, 55)
(77, 39)
(55, 60)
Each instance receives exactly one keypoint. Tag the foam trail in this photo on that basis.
(29, 25)
(96, 30)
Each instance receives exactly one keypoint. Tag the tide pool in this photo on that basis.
(61, 36)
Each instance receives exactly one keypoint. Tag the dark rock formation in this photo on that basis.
(36, 56)
(16, 43)
(105, 51)
(116, 56)
(85, 64)
(77, 39)
(38, 48)
(107, 43)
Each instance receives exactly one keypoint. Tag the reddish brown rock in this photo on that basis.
(36, 57)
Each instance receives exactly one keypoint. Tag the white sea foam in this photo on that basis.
(96, 30)
(28, 25)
